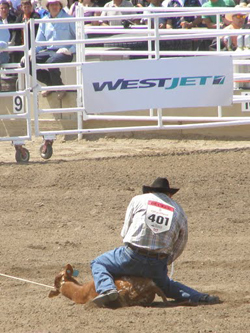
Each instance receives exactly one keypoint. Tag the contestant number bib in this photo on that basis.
(159, 216)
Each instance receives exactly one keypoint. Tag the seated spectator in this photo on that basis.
(15, 6)
(210, 21)
(139, 4)
(162, 20)
(172, 22)
(4, 39)
(186, 22)
(27, 12)
(238, 21)
(8, 17)
(112, 12)
(53, 53)
(189, 22)
(86, 4)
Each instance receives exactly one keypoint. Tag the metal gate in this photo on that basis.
(16, 103)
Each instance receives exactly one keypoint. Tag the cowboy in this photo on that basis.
(51, 54)
(154, 235)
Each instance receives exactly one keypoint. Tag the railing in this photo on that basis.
(111, 42)
(138, 34)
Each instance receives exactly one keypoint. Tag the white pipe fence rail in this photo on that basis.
(110, 41)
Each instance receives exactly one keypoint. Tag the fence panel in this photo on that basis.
(15, 99)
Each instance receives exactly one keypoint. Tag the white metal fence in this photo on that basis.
(135, 42)
(21, 99)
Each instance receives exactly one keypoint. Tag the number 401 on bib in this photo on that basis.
(159, 216)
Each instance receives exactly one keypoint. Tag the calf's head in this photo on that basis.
(61, 278)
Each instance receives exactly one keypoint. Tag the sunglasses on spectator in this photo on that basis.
(238, 16)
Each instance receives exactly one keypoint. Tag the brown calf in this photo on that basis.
(132, 290)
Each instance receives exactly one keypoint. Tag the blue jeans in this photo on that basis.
(50, 76)
(124, 261)
(4, 57)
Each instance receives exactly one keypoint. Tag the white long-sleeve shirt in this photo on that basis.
(136, 230)
(114, 11)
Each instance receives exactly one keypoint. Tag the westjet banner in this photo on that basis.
(113, 86)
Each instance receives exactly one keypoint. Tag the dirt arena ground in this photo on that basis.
(70, 209)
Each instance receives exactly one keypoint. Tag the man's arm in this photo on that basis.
(40, 37)
(190, 25)
(180, 243)
(209, 23)
(128, 219)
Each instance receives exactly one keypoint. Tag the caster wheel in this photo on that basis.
(46, 151)
(22, 155)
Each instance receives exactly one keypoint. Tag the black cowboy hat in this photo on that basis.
(161, 185)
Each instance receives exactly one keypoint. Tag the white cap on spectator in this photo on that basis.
(45, 3)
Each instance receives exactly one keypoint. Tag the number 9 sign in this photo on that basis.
(18, 104)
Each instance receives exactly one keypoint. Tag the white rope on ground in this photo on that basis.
(16, 278)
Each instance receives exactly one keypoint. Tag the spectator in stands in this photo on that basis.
(139, 4)
(15, 6)
(8, 17)
(86, 4)
(6, 14)
(210, 21)
(4, 39)
(186, 22)
(238, 21)
(162, 20)
(172, 22)
(39, 9)
(114, 4)
(51, 54)
(27, 12)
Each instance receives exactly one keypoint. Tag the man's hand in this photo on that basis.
(23, 58)
(3, 46)
(64, 50)
(186, 25)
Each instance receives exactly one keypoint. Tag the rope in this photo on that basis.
(172, 271)
(16, 278)
(45, 285)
